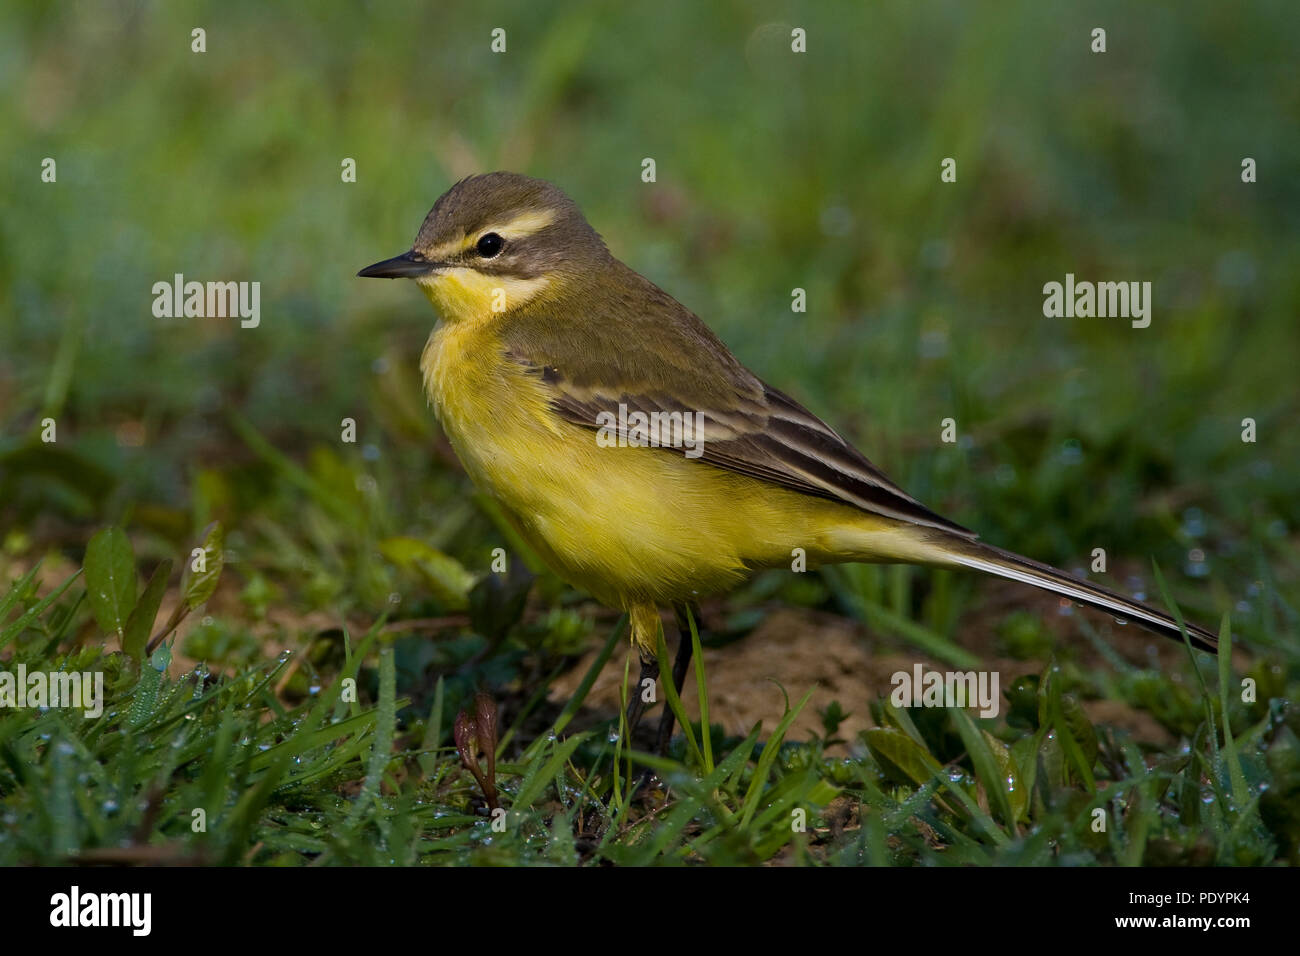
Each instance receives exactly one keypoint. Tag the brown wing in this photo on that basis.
(773, 438)
(649, 353)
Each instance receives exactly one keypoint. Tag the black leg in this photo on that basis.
(635, 702)
(682, 661)
(636, 707)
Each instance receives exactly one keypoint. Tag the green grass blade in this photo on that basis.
(382, 743)
(16, 626)
(987, 766)
(701, 689)
(16, 590)
(766, 759)
(534, 785)
(1240, 792)
(674, 702)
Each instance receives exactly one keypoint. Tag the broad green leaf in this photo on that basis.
(1074, 733)
(1024, 752)
(110, 580)
(997, 770)
(900, 753)
(446, 577)
(1081, 731)
(198, 586)
(140, 623)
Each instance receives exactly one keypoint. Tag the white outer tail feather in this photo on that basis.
(1009, 565)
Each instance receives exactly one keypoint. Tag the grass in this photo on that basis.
(302, 705)
(239, 768)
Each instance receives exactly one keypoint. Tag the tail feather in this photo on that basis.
(1008, 564)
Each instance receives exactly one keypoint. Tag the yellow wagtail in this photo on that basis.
(549, 347)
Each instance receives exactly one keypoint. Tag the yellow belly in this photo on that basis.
(630, 525)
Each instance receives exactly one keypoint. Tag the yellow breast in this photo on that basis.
(629, 525)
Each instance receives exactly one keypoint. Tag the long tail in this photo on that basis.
(1008, 564)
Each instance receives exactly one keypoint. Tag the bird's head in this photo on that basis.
(493, 243)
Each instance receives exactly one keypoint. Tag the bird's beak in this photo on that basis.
(409, 265)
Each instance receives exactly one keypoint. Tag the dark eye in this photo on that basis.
(490, 245)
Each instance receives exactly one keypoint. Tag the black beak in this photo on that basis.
(408, 265)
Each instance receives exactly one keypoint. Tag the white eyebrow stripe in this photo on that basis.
(525, 224)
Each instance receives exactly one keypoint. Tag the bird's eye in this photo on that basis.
(490, 245)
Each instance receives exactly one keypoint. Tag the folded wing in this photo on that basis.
(763, 434)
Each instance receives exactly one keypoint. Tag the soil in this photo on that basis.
(837, 656)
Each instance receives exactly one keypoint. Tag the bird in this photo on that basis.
(627, 444)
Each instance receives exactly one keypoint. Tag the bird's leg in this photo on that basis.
(682, 661)
(636, 701)
(636, 707)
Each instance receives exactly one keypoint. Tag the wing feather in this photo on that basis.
(775, 440)
(650, 354)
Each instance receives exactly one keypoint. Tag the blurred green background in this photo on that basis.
(775, 170)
